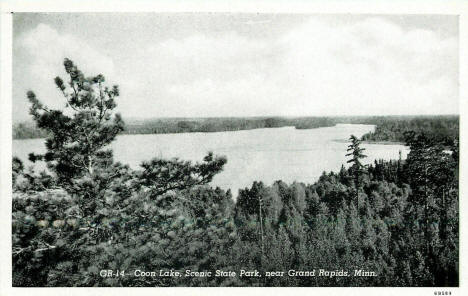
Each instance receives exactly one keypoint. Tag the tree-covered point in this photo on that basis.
(392, 129)
(220, 124)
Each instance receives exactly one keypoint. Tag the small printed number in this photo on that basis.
(437, 293)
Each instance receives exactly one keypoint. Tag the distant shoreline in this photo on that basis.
(373, 142)
(196, 131)
(389, 127)
(383, 143)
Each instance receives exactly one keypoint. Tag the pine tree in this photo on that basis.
(355, 151)
(75, 142)
(431, 176)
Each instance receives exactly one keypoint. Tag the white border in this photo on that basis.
(5, 151)
(273, 6)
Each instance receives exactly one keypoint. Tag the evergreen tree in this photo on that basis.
(111, 216)
(77, 135)
(355, 151)
(431, 175)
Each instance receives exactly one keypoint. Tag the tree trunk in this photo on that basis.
(261, 223)
(90, 166)
(357, 191)
(426, 220)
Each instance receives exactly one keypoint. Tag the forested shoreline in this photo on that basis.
(388, 128)
(397, 219)
(28, 130)
(443, 129)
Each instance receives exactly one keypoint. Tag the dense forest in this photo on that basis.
(391, 223)
(188, 125)
(27, 130)
(442, 128)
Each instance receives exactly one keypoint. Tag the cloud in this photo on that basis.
(367, 67)
(370, 67)
(44, 50)
(203, 75)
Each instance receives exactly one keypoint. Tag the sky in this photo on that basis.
(244, 64)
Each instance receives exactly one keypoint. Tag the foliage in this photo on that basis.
(104, 212)
(444, 129)
(75, 142)
(161, 176)
(356, 152)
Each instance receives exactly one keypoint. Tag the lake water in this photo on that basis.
(266, 155)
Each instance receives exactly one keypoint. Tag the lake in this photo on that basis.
(266, 155)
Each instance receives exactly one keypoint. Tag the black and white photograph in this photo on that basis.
(234, 149)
